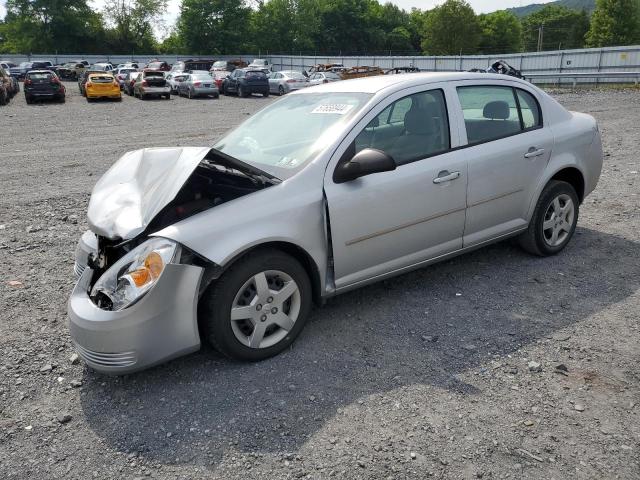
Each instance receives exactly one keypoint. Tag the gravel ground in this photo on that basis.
(492, 365)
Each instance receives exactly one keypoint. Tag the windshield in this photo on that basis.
(220, 64)
(290, 133)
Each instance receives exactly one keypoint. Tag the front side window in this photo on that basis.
(409, 129)
(492, 112)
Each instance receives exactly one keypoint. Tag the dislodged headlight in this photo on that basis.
(134, 274)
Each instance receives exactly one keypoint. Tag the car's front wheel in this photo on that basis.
(554, 220)
(258, 307)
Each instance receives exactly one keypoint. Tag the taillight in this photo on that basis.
(28, 82)
(325, 81)
(144, 83)
(291, 81)
(197, 84)
(55, 80)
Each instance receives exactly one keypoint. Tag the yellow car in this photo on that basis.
(102, 85)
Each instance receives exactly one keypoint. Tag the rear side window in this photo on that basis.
(530, 109)
(40, 76)
(410, 129)
(492, 112)
(101, 78)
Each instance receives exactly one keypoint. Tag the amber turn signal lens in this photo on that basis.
(140, 276)
(154, 264)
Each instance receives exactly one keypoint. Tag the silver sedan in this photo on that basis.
(198, 85)
(286, 81)
(325, 190)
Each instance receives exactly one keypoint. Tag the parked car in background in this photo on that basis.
(158, 65)
(361, 71)
(218, 77)
(245, 82)
(133, 65)
(7, 66)
(323, 77)
(174, 79)
(324, 67)
(82, 79)
(227, 65)
(192, 64)
(101, 67)
(151, 84)
(12, 86)
(6, 87)
(130, 81)
(102, 85)
(121, 74)
(71, 70)
(43, 84)
(260, 64)
(231, 244)
(198, 85)
(286, 81)
(21, 70)
(402, 70)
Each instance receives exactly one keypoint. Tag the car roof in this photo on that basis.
(375, 84)
(40, 71)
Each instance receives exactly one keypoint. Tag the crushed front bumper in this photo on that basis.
(162, 325)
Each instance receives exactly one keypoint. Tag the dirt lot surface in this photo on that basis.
(424, 375)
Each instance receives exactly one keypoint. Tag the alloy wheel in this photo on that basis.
(558, 220)
(265, 309)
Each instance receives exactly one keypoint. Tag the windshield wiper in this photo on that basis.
(225, 160)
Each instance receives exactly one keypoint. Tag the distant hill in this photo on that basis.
(588, 5)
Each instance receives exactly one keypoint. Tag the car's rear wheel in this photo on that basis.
(265, 94)
(554, 220)
(258, 307)
(241, 92)
(189, 95)
(4, 98)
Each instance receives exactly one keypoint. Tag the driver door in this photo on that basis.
(390, 221)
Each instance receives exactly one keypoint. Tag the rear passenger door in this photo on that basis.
(508, 147)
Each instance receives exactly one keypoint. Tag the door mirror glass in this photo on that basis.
(365, 162)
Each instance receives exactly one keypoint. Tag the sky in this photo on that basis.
(480, 6)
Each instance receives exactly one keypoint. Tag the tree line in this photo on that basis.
(347, 27)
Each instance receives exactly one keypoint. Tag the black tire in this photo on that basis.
(217, 302)
(4, 98)
(189, 95)
(62, 99)
(265, 94)
(281, 90)
(217, 95)
(241, 92)
(27, 99)
(533, 240)
(168, 96)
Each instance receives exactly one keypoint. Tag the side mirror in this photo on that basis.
(365, 162)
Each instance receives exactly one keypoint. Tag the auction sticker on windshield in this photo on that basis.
(339, 108)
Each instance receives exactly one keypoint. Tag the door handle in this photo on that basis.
(445, 176)
(534, 152)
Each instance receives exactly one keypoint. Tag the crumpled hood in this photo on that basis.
(137, 187)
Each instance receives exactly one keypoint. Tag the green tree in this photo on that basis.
(614, 22)
(278, 27)
(501, 32)
(132, 23)
(561, 28)
(214, 26)
(451, 29)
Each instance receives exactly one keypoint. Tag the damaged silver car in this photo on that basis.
(325, 190)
